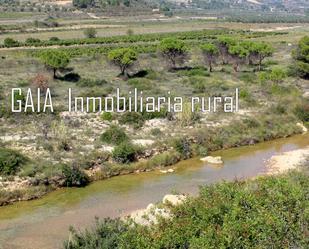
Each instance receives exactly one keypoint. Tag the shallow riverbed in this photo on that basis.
(44, 223)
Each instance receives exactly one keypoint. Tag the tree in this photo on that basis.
(223, 44)
(210, 53)
(90, 32)
(238, 54)
(301, 56)
(258, 51)
(124, 58)
(55, 60)
(174, 50)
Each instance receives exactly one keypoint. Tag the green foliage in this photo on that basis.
(105, 235)
(174, 50)
(123, 58)
(165, 159)
(125, 153)
(114, 135)
(10, 161)
(195, 72)
(182, 146)
(32, 41)
(276, 75)
(269, 212)
(73, 176)
(83, 3)
(210, 48)
(54, 59)
(107, 116)
(301, 55)
(135, 119)
(302, 111)
(90, 32)
(10, 42)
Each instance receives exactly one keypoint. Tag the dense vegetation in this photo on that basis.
(10, 161)
(269, 212)
(301, 55)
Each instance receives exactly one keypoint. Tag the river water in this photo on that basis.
(44, 223)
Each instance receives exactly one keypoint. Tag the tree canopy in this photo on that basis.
(124, 58)
(174, 50)
(55, 59)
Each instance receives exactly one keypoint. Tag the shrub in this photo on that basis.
(54, 39)
(165, 159)
(90, 33)
(125, 153)
(132, 118)
(187, 117)
(105, 234)
(182, 146)
(73, 176)
(10, 42)
(157, 114)
(32, 41)
(302, 112)
(114, 135)
(107, 116)
(10, 161)
(195, 72)
(301, 56)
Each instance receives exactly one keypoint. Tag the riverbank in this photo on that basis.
(46, 221)
(287, 161)
(194, 145)
(230, 214)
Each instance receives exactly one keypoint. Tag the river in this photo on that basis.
(44, 223)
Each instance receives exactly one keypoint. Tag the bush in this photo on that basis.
(106, 234)
(182, 146)
(165, 159)
(107, 116)
(114, 135)
(32, 41)
(73, 176)
(54, 39)
(90, 33)
(10, 42)
(302, 112)
(132, 118)
(125, 153)
(10, 161)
